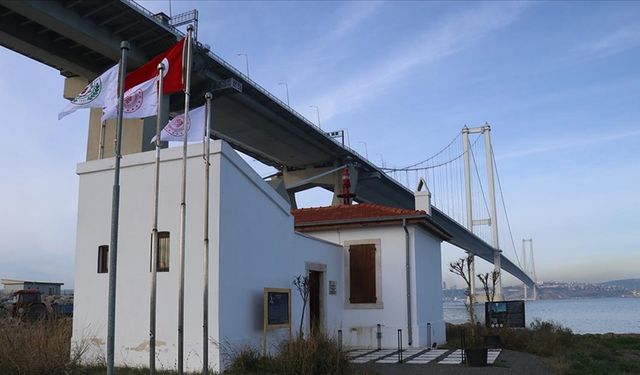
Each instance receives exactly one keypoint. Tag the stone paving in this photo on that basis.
(416, 356)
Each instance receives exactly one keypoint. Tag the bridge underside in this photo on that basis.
(82, 38)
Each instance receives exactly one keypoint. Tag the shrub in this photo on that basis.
(318, 354)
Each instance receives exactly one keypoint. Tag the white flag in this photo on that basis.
(139, 101)
(174, 130)
(98, 94)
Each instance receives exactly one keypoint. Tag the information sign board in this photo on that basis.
(505, 314)
(276, 312)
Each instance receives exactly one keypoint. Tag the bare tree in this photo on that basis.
(485, 279)
(462, 268)
(302, 284)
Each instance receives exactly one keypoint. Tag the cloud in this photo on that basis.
(620, 40)
(351, 18)
(450, 36)
(568, 144)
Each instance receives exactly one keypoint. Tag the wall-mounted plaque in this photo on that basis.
(333, 288)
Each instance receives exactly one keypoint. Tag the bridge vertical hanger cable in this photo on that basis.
(475, 165)
(504, 207)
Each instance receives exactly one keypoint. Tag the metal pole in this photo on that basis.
(407, 255)
(103, 126)
(524, 266)
(494, 211)
(467, 184)
(205, 292)
(317, 113)
(533, 269)
(154, 232)
(286, 86)
(366, 151)
(379, 336)
(183, 204)
(399, 346)
(115, 214)
(246, 61)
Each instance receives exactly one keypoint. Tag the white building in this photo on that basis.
(391, 271)
(47, 288)
(253, 245)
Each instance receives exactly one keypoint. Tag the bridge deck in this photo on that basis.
(83, 38)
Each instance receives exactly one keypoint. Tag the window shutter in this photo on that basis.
(362, 273)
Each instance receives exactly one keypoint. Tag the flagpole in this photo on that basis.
(154, 233)
(115, 213)
(101, 141)
(183, 203)
(205, 292)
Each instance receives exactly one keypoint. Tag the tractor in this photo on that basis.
(29, 306)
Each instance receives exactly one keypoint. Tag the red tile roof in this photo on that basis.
(351, 212)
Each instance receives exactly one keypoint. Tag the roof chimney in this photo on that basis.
(423, 198)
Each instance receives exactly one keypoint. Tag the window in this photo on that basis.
(362, 273)
(103, 259)
(162, 261)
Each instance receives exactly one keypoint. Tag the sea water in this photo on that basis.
(589, 315)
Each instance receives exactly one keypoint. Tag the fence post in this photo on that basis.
(399, 346)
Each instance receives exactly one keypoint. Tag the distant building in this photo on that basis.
(45, 287)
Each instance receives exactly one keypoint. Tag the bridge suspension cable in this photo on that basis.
(504, 207)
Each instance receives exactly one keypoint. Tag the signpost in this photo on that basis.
(504, 314)
(277, 312)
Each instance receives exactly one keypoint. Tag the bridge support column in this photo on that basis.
(494, 212)
(330, 178)
(467, 184)
(136, 133)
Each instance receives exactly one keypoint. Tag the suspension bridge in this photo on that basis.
(461, 179)
(82, 39)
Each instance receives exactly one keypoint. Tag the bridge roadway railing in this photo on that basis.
(235, 71)
(477, 242)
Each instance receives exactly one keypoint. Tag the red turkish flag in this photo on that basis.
(172, 59)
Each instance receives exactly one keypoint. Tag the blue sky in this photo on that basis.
(558, 82)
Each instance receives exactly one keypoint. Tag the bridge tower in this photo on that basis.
(529, 267)
(492, 221)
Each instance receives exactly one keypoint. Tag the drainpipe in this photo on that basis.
(406, 243)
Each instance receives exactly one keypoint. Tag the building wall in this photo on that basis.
(12, 288)
(252, 245)
(359, 325)
(428, 288)
(258, 249)
(133, 277)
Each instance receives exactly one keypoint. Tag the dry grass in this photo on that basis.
(42, 347)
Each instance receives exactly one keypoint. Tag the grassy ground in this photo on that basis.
(568, 353)
(44, 347)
